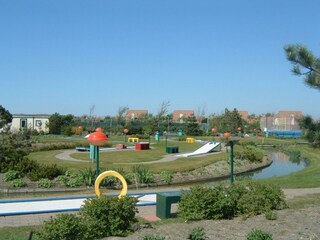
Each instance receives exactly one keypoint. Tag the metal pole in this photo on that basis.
(166, 142)
(231, 162)
(97, 161)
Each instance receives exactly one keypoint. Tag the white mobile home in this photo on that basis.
(38, 122)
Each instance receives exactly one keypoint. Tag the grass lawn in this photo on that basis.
(126, 159)
(309, 177)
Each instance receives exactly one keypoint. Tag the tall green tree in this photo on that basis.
(304, 64)
(60, 124)
(303, 58)
(192, 126)
(5, 116)
(311, 130)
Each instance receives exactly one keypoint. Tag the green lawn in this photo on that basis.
(309, 177)
(126, 158)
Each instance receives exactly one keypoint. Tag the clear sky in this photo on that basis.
(67, 55)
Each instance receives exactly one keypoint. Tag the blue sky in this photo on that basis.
(66, 56)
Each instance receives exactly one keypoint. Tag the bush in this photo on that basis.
(70, 179)
(44, 183)
(141, 174)
(109, 216)
(11, 175)
(271, 215)
(197, 234)
(261, 198)
(26, 166)
(18, 183)
(45, 171)
(257, 234)
(166, 177)
(227, 202)
(64, 227)
(249, 152)
(207, 203)
(88, 176)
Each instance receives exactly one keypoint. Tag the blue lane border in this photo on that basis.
(138, 195)
(70, 197)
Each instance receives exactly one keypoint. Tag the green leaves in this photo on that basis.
(301, 57)
(222, 202)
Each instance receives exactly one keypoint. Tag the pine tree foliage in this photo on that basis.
(304, 64)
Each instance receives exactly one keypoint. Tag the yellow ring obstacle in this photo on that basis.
(113, 174)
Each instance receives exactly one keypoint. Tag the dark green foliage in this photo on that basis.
(5, 116)
(221, 202)
(60, 124)
(257, 234)
(229, 121)
(303, 58)
(45, 171)
(260, 198)
(197, 234)
(192, 127)
(107, 216)
(13, 150)
(207, 203)
(311, 130)
(98, 218)
(26, 165)
(64, 227)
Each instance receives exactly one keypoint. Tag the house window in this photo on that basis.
(38, 123)
(23, 123)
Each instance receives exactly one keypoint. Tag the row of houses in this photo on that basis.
(284, 120)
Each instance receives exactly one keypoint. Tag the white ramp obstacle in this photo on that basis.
(208, 147)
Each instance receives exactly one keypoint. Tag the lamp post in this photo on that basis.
(231, 144)
(227, 135)
(126, 130)
(166, 140)
(97, 139)
(213, 130)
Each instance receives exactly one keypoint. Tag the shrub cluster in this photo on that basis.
(45, 183)
(70, 179)
(45, 171)
(142, 175)
(11, 175)
(52, 146)
(222, 202)
(98, 218)
(249, 152)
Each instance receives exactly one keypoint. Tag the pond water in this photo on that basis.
(282, 165)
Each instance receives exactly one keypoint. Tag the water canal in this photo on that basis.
(282, 165)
